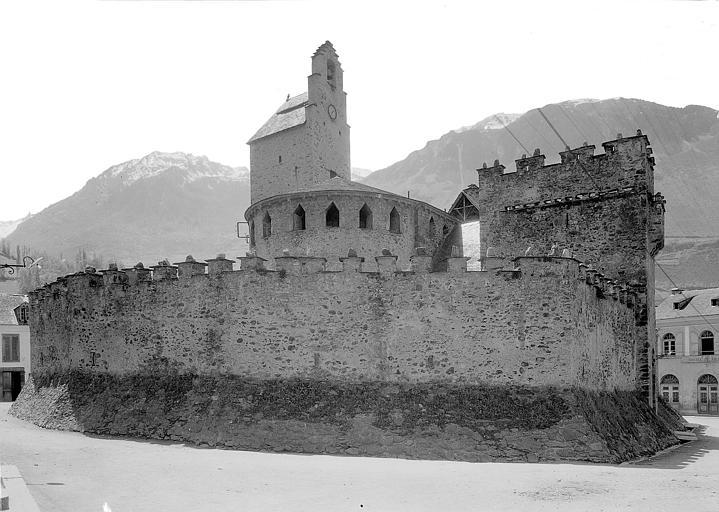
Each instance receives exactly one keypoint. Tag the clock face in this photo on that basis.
(332, 111)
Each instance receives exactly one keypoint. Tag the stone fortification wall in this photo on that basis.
(627, 162)
(601, 207)
(549, 323)
(531, 362)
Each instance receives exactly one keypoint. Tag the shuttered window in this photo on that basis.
(10, 348)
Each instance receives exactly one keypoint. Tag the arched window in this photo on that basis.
(670, 388)
(445, 230)
(706, 343)
(298, 219)
(669, 344)
(266, 225)
(332, 217)
(432, 228)
(252, 233)
(394, 221)
(707, 378)
(365, 217)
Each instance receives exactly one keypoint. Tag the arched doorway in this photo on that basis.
(707, 391)
(670, 390)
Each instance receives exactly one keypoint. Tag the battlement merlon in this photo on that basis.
(83, 286)
(627, 161)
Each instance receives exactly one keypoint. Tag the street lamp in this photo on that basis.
(11, 268)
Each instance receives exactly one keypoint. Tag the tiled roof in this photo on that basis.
(691, 303)
(291, 113)
(339, 183)
(7, 305)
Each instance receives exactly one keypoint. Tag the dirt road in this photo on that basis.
(67, 471)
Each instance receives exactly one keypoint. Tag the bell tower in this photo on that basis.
(307, 140)
(327, 116)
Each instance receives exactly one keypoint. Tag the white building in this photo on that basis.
(14, 345)
(687, 351)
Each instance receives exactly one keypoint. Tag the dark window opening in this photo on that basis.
(394, 221)
(331, 72)
(252, 233)
(432, 228)
(332, 217)
(298, 219)
(365, 217)
(707, 343)
(266, 226)
(445, 230)
(333, 174)
(715, 302)
(280, 159)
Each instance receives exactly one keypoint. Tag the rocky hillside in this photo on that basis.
(162, 205)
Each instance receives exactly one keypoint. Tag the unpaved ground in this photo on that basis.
(68, 471)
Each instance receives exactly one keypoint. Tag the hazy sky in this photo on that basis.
(86, 85)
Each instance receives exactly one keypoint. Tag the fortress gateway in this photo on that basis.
(401, 351)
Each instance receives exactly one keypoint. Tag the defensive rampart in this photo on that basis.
(532, 360)
(549, 322)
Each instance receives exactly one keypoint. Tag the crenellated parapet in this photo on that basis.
(626, 163)
(75, 287)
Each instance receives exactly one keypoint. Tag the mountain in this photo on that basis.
(685, 143)
(8, 226)
(164, 205)
(168, 205)
(358, 173)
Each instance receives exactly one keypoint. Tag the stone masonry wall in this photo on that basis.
(420, 226)
(543, 325)
(601, 207)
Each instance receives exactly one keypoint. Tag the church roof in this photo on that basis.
(339, 183)
(291, 113)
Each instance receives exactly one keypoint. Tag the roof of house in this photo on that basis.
(8, 303)
(291, 113)
(691, 303)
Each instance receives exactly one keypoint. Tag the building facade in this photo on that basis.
(14, 345)
(687, 355)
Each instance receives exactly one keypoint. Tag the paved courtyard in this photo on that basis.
(67, 471)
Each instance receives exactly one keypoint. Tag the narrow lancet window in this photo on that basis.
(365, 217)
(298, 219)
(394, 221)
(267, 225)
(332, 217)
(432, 228)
